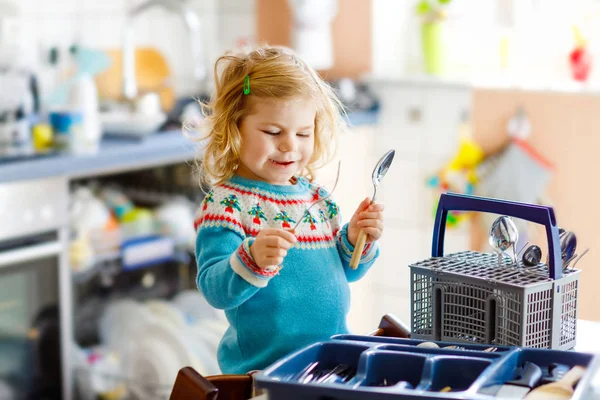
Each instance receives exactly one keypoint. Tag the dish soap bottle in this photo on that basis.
(83, 97)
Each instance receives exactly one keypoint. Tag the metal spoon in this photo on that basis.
(381, 168)
(568, 245)
(503, 235)
(532, 256)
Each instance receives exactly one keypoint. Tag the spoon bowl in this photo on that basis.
(568, 245)
(382, 167)
(532, 256)
(503, 235)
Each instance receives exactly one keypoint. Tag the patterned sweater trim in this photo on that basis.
(246, 210)
(266, 197)
(347, 249)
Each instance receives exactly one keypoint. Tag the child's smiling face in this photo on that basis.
(277, 139)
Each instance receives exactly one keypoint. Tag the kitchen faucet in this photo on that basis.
(130, 89)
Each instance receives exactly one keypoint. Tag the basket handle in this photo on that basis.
(542, 215)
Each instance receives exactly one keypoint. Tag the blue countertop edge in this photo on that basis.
(120, 154)
(115, 155)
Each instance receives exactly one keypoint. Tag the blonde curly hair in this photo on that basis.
(274, 72)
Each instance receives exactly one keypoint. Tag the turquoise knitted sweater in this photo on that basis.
(274, 312)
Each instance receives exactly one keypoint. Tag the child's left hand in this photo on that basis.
(368, 217)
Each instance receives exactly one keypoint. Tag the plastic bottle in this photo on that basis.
(83, 96)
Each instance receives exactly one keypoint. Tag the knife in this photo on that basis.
(526, 378)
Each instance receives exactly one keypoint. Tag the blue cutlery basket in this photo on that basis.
(407, 371)
(468, 297)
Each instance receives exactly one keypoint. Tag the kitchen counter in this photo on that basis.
(116, 154)
(587, 341)
(588, 333)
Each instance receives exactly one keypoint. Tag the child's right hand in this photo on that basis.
(271, 246)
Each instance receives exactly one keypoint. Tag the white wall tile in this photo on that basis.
(210, 20)
(205, 6)
(130, 4)
(25, 7)
(235, 30)
(100, 25)
(173, 41)
(94, 7)
(166, 32)
(210, 41)
(29, 37)
(103, 31)
(57, 31)
(201, 6)
(49, 8)
(236, 6)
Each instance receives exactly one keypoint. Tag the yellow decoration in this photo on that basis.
(469, 155)
(42, 137)
(580, 40)
(459, 175)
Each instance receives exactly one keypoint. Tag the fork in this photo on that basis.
(337, 178)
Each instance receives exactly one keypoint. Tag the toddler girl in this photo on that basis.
(271, 123)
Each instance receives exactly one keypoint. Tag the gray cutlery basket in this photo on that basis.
(469, 297)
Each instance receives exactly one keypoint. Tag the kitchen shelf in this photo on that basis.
(112, 264)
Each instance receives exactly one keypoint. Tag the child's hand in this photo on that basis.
(368, 217)
(271, 246)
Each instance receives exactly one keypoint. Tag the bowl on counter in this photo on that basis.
(131, 124)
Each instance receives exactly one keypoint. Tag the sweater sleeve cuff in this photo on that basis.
(346, 248)
(242, 264)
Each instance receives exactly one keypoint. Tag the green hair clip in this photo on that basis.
(247, 84)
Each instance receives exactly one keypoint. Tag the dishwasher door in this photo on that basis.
(30, 345)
